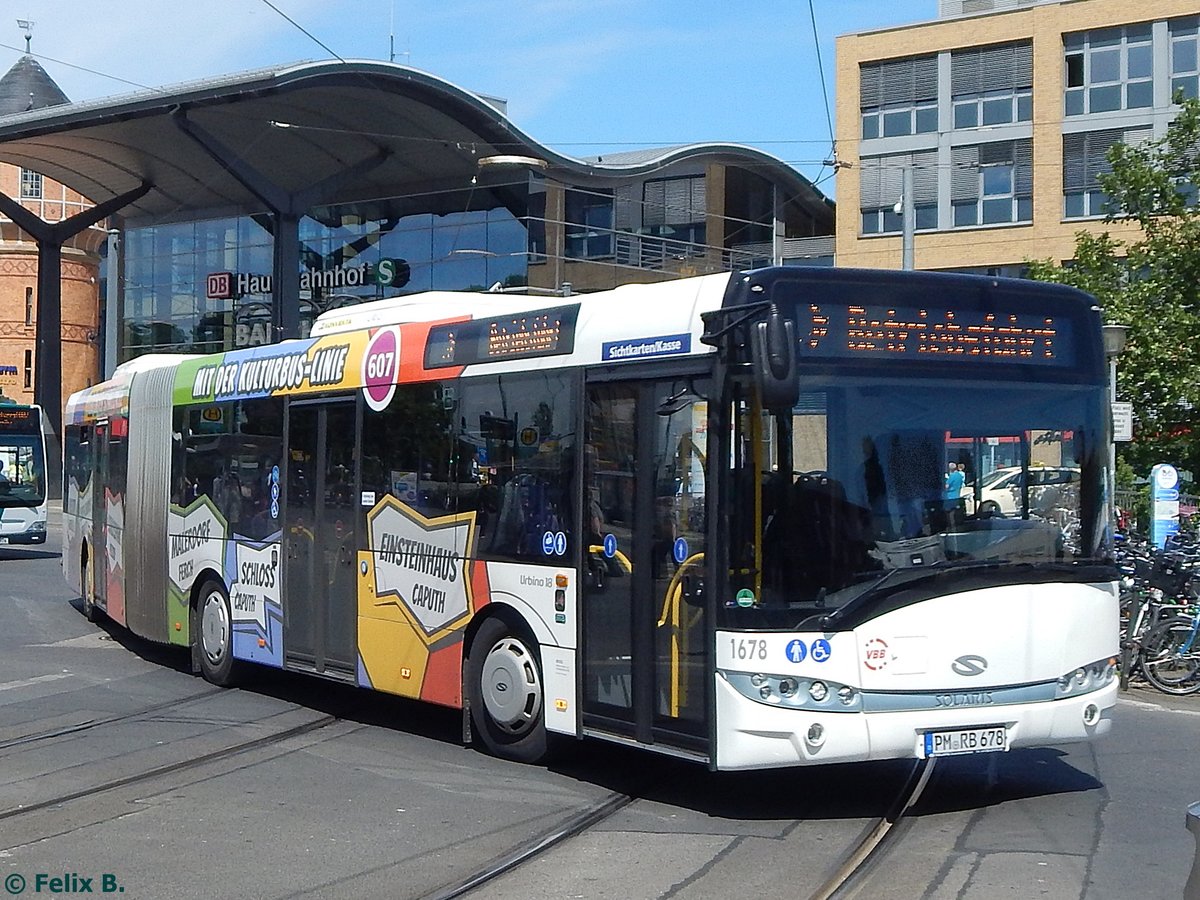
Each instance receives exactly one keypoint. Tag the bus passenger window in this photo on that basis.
(521, 434)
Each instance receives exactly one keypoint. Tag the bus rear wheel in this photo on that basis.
(504, 684)
(87, 590)
(212, 636)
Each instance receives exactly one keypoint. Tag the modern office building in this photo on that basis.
(378, 180)
(26, 86)
(1003, 110)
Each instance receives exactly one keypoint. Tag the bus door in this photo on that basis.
(644, 643)
(319, 601)
(98, 542)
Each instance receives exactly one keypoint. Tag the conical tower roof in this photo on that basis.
(27, 86)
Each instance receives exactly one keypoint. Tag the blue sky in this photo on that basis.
(583, 76)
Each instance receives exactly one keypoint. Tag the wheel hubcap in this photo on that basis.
(512, 690)
(214, 628)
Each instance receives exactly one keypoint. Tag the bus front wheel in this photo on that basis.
(212, 635)
(505, 692)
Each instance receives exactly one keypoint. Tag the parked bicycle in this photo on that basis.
(1160, 618)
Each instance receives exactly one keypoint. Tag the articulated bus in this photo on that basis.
(709, 517)
(22, 474)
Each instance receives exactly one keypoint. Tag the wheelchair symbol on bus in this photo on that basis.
(820, 650)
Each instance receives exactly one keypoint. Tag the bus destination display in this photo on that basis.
(19, 420)
(932, 333)
(542, 332)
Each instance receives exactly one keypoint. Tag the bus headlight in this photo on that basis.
(1086, 679)
(794, 692)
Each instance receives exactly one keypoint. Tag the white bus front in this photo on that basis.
(22, 476)
(869, 609)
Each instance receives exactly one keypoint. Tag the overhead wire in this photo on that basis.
(824, 90)
(312, 37)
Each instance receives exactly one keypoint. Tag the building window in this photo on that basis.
(899, 97)
(536, 222)
(992, 184)
(589, 227)
(1085, 156)
(28, 369)
(31, 185)
(992, 85)
(1109, 69)
(28, 306)
(1185, 61)
(675, 208)
(881, 188)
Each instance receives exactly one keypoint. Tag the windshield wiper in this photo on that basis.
(917, 573)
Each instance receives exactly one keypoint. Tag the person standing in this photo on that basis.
(953, 492)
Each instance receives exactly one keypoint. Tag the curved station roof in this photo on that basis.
(357, 131)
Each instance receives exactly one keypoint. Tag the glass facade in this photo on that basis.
(206, 286)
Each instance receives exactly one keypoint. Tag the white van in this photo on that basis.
(1000, 490)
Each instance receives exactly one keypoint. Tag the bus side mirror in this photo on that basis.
(773, 353)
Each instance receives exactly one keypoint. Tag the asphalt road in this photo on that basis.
(115, 761)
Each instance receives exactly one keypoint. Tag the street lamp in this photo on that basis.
(511, 160)
(1114, 345)
(906, 208)
(532, 164)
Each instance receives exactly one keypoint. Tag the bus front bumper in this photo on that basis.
(753, 735)
(35, 535)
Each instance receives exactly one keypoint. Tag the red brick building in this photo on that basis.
(24, 87)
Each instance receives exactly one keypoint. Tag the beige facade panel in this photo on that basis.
(1049, 235)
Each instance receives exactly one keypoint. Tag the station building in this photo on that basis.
(1003, 110)
(244, 206)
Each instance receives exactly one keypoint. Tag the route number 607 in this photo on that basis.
(748, 648)
(379, 365)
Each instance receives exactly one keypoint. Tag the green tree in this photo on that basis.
(1151, 284)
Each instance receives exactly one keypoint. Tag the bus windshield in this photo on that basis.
(877, 475)
(22, 470)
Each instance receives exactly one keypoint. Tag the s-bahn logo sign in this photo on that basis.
(388, 272)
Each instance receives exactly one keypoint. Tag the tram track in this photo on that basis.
(78, 727)
(535, 847)
(172, 768)
(876, 838)
(873, 841)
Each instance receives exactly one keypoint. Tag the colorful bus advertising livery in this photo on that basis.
(709, 517)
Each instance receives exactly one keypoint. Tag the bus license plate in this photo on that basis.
(968, 740)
